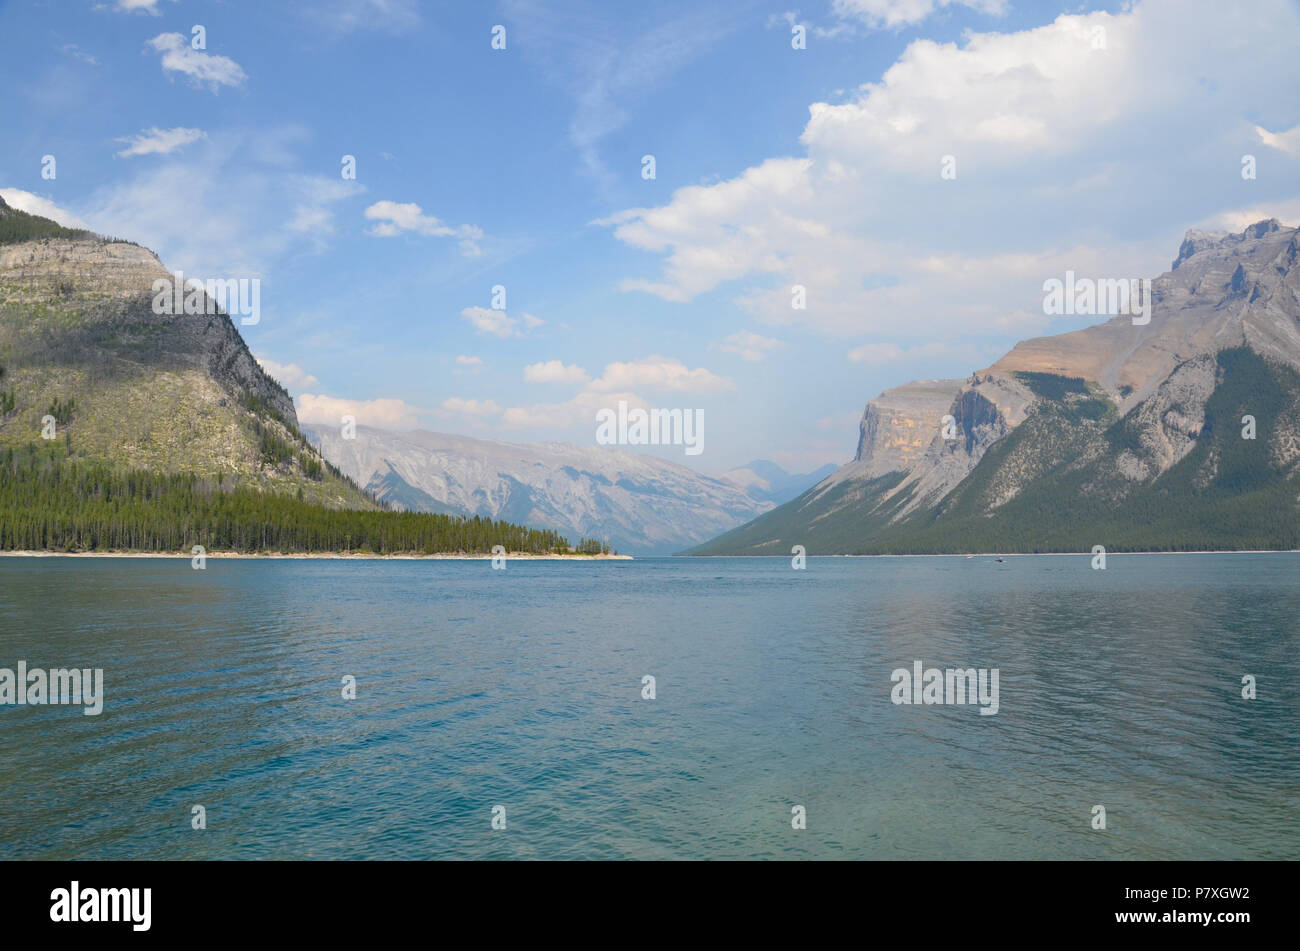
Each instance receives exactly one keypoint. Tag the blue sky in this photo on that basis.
(1073, 148)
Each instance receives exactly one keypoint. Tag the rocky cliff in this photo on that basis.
(163, 392)
(1065, 434)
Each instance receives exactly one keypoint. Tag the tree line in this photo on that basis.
(50, 501)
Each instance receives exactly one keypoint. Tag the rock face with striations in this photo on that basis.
(169, 393)
(1078, 429)
(639, 504)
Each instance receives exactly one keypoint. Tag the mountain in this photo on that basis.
(1126, 435)
(637, 503)
(767, 482)
(169, 393)
(125, 428)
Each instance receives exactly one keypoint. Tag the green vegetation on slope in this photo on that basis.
(824, 521)
(51, 502)
(18, 226)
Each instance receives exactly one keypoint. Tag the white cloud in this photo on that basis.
(615, 384)
(867, 225)
(292, 376)
(891, 14)
(495, 322)
(1236, 220)
(76, 52)
(201, 67)
(1288, 142)
(554, 371)
(660, 373)
(750, 346)
(37, 205)
(579, 411)
(253, 207)
(876, 354)
(381, 413)
(396, 218)
(138, 6)
(157, 141)
(471, 407)
(469, 364)
(313, 195)
(498, 323)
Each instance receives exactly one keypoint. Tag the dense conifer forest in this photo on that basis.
(53, 501)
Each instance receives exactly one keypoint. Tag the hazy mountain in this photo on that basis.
(768, 482)
(1122, 435)
(640, 504)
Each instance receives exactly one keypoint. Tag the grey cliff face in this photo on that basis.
(638, 503)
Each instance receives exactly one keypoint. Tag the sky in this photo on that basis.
(911, 171)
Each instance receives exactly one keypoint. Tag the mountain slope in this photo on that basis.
(1128, 436)
(637, 503)
(166, 393)
(166, 432)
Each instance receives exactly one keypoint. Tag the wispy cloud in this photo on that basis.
(76, 52)
(293, 377)
(138, 6)
(750, 346)
(608, 59)
(395, 218)
(385, 413)
(894, 14)
(1288, 141)
(157, 141)
(660, 373)
(346, 16)
(37, 205)
(202, 68)
(554, 371)
(498, 323)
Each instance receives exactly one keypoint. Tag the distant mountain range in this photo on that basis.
(1131, 435)
(1127, 435)
(639, 504)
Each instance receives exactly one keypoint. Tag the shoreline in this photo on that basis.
(1035, 554)
(309, 556)
(526, 556)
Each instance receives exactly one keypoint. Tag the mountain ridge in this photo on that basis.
(637, 502)
(1136, 399)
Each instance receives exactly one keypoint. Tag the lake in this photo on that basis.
(523, 688)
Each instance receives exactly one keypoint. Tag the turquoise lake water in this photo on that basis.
(522, 688)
